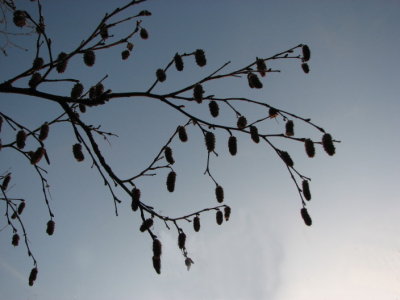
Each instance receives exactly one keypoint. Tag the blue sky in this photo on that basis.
(265, 251)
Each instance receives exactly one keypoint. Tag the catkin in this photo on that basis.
(232, 145)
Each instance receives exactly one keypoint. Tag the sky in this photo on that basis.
(352, 250)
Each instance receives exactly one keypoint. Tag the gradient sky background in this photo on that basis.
(265, 251)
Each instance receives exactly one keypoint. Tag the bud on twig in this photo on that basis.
(21, 138)
(254, 134)
(289, 128)
(286, 158)
(62, 63)
(273, 113)
(77, 151)
(306, 217)
(178, 62)
(232, 145)
(219, 193)
(125, 54)
(210, 141)
(198, 93)
(241, 122)
(50, 227)
(227, 213)
(15, 240)
(144, 34)
(306, 53)
(182, 134)
(254, 81)
(310, 149)
(171, 181)
(19, 18)
(146, 225)
(306, 190)
(181, 240)
(37, 155)
(104, 31)
(33, 276)
(37, 63)
(135, 199)
(261, 66)
(219, 217)
(200, 58)
(35, 80)
(21, 207)
(196, 223)
(44, 131)
(214, 109)
(157, 264)
(327, 143)
(305, 67)
(6, 181)
(157, 248)
(161, 76)
(89, 58)
(168, 155)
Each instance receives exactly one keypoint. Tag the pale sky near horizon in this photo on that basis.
(352, 250)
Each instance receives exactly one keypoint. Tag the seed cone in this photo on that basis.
(181, 240)
(15, 240)
(196, 223)
(309, 146)
(232, 145)
(306, 53)
(157, 248)
(82, 108)
(261, 66)
(305, 67)
(219, 217)
(241, 122)
(168, 155)
(306, 190)
(76, 90)
(198, 93)
(254, 134)
(146, 225)
(200, 58)
(214, 108)
(227, 213)
(77, 151)
(182, 134)
(171, 181)
(144, 34)
(44, 131)
(21, 138)
(254, 81)
(89, 58)
(306, 217)
(157, 264)
(33, 276)
(62, 62)
(104, 32)
(286, 158)
(327, 143)
(289, 128)
(178, 62)
(219, 193)
(135, 199)
(210, 141)
(50, 227)
(161, 76)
